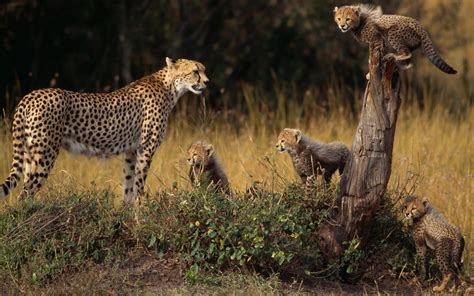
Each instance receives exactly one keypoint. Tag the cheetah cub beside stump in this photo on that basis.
(430, 229)
(403, 34)
(205, 169)
(311, 158)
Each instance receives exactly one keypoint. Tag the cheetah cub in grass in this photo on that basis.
(311, 158)
(430, 229)
(205, 169)
(403, 34)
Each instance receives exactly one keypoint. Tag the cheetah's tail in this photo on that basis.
(343, 161)
(433, 56)
(18, 149)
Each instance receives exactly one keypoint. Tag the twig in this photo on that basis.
(54, 219)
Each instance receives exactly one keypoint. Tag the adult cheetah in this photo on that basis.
(131, 120)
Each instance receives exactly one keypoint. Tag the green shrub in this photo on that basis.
(40, 239)
(259, 230)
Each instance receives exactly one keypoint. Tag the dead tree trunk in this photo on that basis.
(368, 169)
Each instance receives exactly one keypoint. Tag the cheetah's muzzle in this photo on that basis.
(198, 89)
(344, 29)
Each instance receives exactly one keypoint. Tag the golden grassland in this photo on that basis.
(432, 156)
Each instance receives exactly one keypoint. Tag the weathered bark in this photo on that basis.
(368, 169)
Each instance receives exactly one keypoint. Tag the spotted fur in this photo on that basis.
(204, 167)
(131, 120)
(404, 34)
(311, 158)
(430, 229)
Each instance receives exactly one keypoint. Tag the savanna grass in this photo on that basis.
(432, 157)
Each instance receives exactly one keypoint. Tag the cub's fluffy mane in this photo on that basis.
(369, 10)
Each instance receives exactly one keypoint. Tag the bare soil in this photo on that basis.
(146, 274)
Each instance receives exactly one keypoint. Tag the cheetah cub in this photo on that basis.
(311, 158)
(430, 229)
(205, 169)
(404, 34)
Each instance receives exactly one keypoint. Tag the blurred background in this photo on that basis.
(102, 45)
(272, 64)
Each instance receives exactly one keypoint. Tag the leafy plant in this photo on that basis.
(259, 230)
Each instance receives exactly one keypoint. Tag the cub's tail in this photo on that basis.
(16, 171)
(433, 56)
(346, 153)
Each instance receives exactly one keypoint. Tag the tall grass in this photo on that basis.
(432, 155)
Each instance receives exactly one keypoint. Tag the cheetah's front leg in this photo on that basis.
(142, 166)
(129, 176)
(149, 143)
(310, 185)
(420, 257)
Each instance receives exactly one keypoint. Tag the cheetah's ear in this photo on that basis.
(170, 63)
(335, 9)
(210, 150)
(358, 10)
(298, 134)
(402, 206)
(425, 200)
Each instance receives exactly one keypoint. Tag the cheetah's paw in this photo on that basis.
(389, 57)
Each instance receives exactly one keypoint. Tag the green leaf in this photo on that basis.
(350, 269)
(152, 240)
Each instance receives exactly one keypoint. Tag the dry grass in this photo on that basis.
(432, 154)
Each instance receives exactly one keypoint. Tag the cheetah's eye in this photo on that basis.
(348, 19)
(195, 154)
(196, 72)
(339, 19)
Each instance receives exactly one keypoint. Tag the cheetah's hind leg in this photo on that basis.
(444, 259)
(402, 60)
(404, 66)
(444, 283)
(403, 56)
(42, 161)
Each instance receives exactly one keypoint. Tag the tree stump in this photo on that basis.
(368, 169)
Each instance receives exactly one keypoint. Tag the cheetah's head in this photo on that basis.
(199, 153)
(347, 17)
(187, 75)
(288, 140)
(414, 208)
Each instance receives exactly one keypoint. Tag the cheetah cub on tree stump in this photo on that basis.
(403, 34)
(430, 229)
(311, 158)
(205, 169)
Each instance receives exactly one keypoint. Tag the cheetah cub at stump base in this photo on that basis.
(205, 169)
(403, 34)
(430, 229)
(311, 158)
